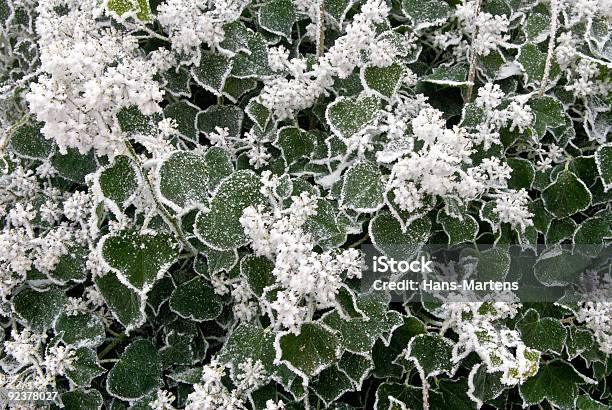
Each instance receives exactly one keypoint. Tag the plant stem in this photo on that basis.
(472, 70)
(554, 17)
(321, 39)
(112, 345)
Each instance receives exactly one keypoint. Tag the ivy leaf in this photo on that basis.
(222, 116)
(549, 113)
(390, 238)
(309, 352)
(484, 386)
(258, 113)
(357, 367)
(178, 82)
(249, 341)
(277, 16)
(458, 230)
(431, 353)
(566, 196)
(28, 142)
(73, 165)
(560, 267)
(213, 70)
(125, 8)
(547, 334)
(182, 180)
(185, 114)
(132, 121)
(258, 272)
(557, 382)
(347, 116)
(39, 309)
(125, 305)
(78, 399)
(119, 181)
(219, 165)
(454, 76)
(603, 158)
(382, 81)
(294, 143)
(331, 384)
(537, 27)
(196, 300)
(523, 173)
(585, 402)
(220, 228)
(84, 367)
(362, 188)
(533, 61)
(337, 9)
(253, 64)
(426, 13)
(594, 230)
(137, 373)
(139, 258)
(71, 267)
(80, 329)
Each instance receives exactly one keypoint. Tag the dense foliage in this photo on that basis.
(185, 187)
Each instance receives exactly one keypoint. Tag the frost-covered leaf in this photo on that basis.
(128, 8)
(603, 157)
(222, 116)
(74, 166)
(536, 27)
(382, 81)
(337, 8)
(484, 386)
(347, 116)
(426, 13)
(250, 341)
(71, 267)
(39, 309)
(557, 382)
(137, 373)
(532, 62)
(125, 304)
(308, 352)
(458, 230)
(431, 353)
(390, 238)
(182, 180)
(549, 113)
(277, 16)
(559, 267)
(213, 70)
(84, 367)
(258, 113)
(220, 228)
(454, 76)
(257, 271)
(219, 166)
(331, 384)
(594, 230)
(356, 367)
(523, 173)
(178, 82)
(139, 258)
(196, 300)
(119, 181)
(185, 114)
(362, 188)
(253, 64)
(566, 196)
(27, 141)
(79, 399)
(80, 329)
(294, 143)
(543, 334)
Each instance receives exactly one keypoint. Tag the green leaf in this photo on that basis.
(196, 300)
(213, 70)
(362, 188)
(185, 115)
(382, 81)
(559, 230)
(426, 13)
(594, 230)
(547, 334)
(523, 173)
(308, 353)
(557, 382)
(347, 116)
(294, 143)
(182, 180)
(566, 196)
(331, 384)
(219, 165)
(360, 334)
(125, 8)
(585, 402)
(249, 341)
(79, 399)
(139, 258)
(454, 76)
(132, 121)
(431, 353)
(258, 113)
(549, 113)
(257, 270)
(70, 267)
(277, 16)
(125, 305)
(220, 228)
(80, 329)
(137, 373)
(357, 367)
(484, 386)
(458, 230)
(222, 116)
(560, 267)
(218, 261)
(74, 166)
(533, 61)
(84, 367)
(27, 141)
(390, 238)
(603, 158)
(337, 8)
(253, 64)
(39, 309)
(119, 180)
(537, 27)
(178, 82)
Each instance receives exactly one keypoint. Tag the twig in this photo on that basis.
(321, 39)
(554, 17)
(472, 70)
(112, 345)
